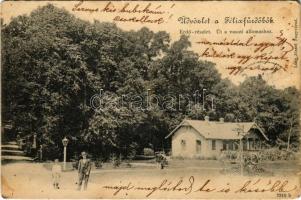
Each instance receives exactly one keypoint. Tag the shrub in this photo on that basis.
(98, 163)
(74, 164)
(51, 152)
(148, 152)
(128, 164)
(116, 160)
(229, 155)
(205, 158)
(132, 150)
(275, 154)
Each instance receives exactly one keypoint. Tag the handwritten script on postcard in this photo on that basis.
(191, 185)
(152, 13)
(268, 55)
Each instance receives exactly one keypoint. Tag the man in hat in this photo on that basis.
(84, 168)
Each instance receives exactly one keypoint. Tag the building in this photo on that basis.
(206, 139)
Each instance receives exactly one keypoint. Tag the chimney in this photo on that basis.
(221, 120)
(207, 118)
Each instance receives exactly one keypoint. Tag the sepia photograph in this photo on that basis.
(150, 100)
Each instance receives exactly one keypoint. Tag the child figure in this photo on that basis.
(56, 173)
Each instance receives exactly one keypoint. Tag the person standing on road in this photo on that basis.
(84, 168)
(56, 174)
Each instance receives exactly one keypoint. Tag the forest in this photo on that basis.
(53, 63)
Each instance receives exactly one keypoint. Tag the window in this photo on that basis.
(235, 145)
(230, 145)
(224, 145)
(213, 145)
(244, 144)
(183, 144)
(253, 144)
(198, 146)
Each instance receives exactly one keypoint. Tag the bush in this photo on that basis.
(74, 163)
(98, 163)
(205, 158)
(148, 152)
(51, 152)
(276, 154)
(132, 151)
(272, 154)
(116, 160)
(229, 155)
(128, 164)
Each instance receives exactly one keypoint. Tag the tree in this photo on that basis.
(273, 109)
(290, 118)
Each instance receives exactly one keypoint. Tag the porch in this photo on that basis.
(249, 144)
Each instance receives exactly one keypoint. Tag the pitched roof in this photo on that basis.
(219, 130)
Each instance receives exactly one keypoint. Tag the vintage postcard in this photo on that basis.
(150, 99)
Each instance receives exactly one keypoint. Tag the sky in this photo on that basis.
(281, 18)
